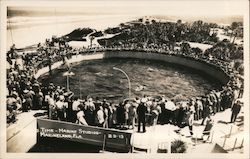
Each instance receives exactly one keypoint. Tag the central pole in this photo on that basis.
(68, 74)
(67, 83)
(129, 84)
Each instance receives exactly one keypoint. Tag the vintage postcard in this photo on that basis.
(127, 79)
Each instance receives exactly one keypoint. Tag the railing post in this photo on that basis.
(103, 144)
(169, 147)
(234, 144)
(132, 144)
(195, 139)
(67, 83)
(212, 137)
(241, 145)
(224, 142)
(230, 131)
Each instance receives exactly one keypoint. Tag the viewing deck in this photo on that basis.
(22, 135)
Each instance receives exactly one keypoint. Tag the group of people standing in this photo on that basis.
(26, 93)
(145, 111)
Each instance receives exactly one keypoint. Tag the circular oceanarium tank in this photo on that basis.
(97, 78)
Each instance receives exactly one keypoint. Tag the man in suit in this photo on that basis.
(235, 110)
(141, 112)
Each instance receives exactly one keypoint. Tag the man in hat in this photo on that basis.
(169, 108)
(27, 100)
(131, 115)
(162, 115)
(90, 112)
(191, 111)
(208, 127)
(235, 110)
(141, 112)
(11, 108)
(206, 108)
(81, 116)
(213, 99)
(61, 107)
(51, 87)
(75, 108)
(106, 112)
(199, 108)
(100, 116)
(156, 110)
(51, 106)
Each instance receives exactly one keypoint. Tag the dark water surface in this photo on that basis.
(97, 78)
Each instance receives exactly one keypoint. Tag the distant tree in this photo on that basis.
(240, 28)
(225, 50)
(226, 29)
(153, 21)
(235, 29)
(238, 32)
(179, 21)
(206, 28)
(213, 26)
(122, 25)
(196, 50)
(197, 26)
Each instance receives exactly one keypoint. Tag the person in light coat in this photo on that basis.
(80, 117)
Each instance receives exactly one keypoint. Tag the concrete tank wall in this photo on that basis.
(211, 70)
(74, 59)
(208, 69)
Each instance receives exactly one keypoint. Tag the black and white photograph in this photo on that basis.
(125, 79)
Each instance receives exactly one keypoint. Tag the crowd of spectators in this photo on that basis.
(168, 35)
(26, 93)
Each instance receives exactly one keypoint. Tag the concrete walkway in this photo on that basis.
(162, 134)
(21, 136)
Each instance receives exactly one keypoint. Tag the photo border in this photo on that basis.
(3, 147)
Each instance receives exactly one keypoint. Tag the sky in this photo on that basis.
(139, 7)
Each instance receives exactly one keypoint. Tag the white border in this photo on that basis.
(213, 7)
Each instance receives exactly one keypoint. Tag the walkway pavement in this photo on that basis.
(22, 135)
(162, 134)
